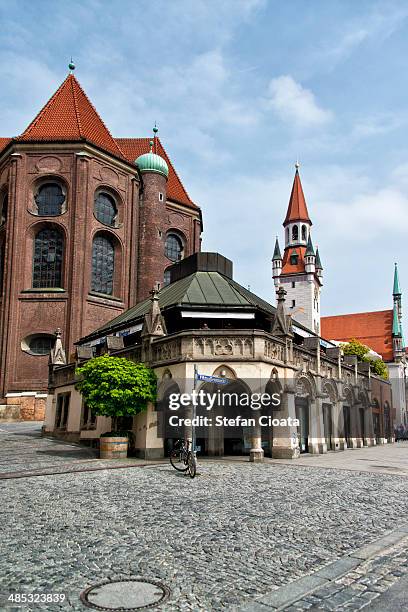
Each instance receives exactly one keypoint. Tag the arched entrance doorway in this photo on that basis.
(387, 421)
(328, 425)
(347, 425)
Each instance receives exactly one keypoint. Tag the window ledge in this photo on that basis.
(105, 296)
(44, 290)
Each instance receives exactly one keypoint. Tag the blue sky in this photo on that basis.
(239, 90)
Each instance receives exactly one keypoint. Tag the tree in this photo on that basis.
(355, 347)
(116, 387)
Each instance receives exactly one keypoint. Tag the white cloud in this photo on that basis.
(377, 124)
(295, 104)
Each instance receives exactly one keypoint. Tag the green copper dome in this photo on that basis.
(151, 162)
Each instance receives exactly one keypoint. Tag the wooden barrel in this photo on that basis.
(113, 448)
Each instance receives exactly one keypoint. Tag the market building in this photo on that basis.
(205, 320)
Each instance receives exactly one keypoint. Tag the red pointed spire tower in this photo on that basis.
(298, 271)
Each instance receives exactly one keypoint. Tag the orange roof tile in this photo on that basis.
(297, 209)
(371, 328)
(69, 115)
(133, 147)
(3, 143)
(287, 267)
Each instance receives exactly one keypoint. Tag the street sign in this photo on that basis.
(212, 379)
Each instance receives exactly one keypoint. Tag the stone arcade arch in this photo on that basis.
(305, 393)
(272, 387)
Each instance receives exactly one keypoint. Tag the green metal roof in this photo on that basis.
(309, 249)
(318, 263)
(277, 252)
(396, 290)
(150, 162)
(199, 290)
(396, 328)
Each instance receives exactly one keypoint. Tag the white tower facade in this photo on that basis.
(299, 271)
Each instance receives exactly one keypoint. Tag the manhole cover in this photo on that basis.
(127, 595)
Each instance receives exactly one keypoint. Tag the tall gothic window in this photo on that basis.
(304, 232)
(105, 209)
(4, 208)
(173, 248)
(295, 232)
(48, 257)
(49, 199)
(103, 265)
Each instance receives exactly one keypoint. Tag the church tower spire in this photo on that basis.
(397, 333)
(300, 269)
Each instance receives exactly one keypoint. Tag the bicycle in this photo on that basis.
(183, 459)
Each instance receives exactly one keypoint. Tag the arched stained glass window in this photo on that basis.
(48, 257)
(49, 199)
(105, 209)
(103, 265)
(173, 248)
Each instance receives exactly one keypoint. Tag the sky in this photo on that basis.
(240, 90)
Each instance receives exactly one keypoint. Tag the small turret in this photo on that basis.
(57, 353)
(152, 218)
(318, 264)
(310, 257)
(276, 263)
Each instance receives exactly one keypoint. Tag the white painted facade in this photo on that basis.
(303, 299)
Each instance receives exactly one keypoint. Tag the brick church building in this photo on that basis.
(89, 224)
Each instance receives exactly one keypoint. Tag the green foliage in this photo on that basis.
(355, 347)
(115, 386)
(379, 368)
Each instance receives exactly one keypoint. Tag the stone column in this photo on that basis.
(285, 439)
(339, 440)
(256, 453)
(317, 441)
(216, 435)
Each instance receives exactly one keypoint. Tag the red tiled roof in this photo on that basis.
(133, 147)
(371, 328)
(3, 143)
(297, 209)
(69, 115)
(287, 267)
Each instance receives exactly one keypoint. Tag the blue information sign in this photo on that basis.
(213, 379)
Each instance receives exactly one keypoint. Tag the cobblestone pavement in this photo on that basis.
(23, 451)
(234, 533)
(361, 587)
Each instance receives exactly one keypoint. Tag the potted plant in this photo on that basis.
(115, 387)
